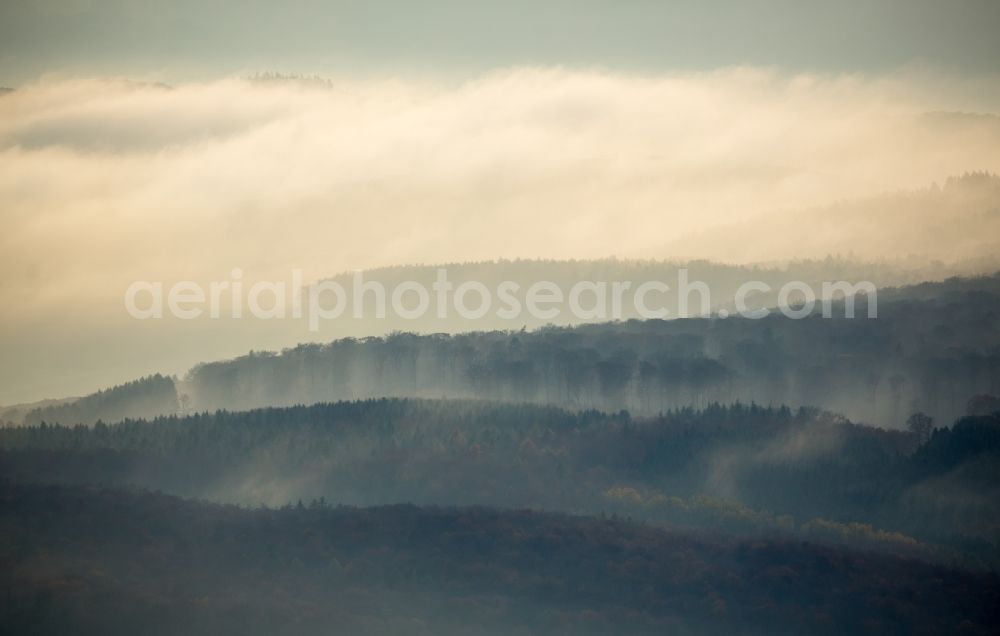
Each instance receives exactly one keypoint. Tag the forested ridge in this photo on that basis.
(150, 396)
(742, 468)
(632, 477)
(932, 348)
(931, 352)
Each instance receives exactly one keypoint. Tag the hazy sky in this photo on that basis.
(185, 39)
(135, 147)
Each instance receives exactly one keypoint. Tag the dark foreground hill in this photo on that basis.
(96, 561)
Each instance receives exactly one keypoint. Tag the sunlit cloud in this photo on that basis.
(105, 181)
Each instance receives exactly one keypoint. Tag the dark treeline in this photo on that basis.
(741, 468)
(94, 561)
(931, 349)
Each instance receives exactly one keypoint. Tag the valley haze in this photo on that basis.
(478, 318)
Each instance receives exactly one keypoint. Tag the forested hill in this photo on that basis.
(742, 468)
(147, 397)
(103, 562)
(932, 349)
(722, 279)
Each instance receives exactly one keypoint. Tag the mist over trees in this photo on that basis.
(822, 475)
(723, 280)
(931, 349)
(499, 318)
(145, 397)
(742, 468)
(934, 349)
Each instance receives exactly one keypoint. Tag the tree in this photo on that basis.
(921, 425)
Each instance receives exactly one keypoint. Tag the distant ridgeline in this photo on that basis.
(934, 348)
(721, 279)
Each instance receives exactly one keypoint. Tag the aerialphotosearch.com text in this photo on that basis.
(442, 298)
